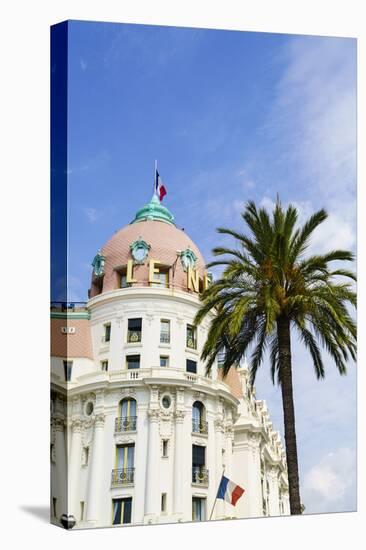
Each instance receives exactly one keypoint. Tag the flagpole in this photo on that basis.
(216, 494)
(156, 169)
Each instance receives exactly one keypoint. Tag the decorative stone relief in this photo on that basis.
(76, 425)
(98, 264)
(124, 440)
(165, 426)
(99, 420)
(219, 424)
(139, 250)
(154, 415)
(179, 415)
(128, 392)
(188, 259)
(59, 424)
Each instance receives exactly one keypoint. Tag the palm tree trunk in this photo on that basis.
(284, 344)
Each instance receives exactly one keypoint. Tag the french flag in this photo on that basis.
(229, 491)
(159, 186)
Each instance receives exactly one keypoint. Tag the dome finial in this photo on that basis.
(154, 210)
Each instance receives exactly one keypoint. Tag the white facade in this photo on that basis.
(93, 466)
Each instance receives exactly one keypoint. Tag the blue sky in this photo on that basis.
(230, 116)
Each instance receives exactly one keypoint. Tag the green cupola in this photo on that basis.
(155, 211)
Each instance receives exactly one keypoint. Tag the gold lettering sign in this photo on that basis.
(206, 281)
(152, 271)
(193, 279)
(129, 272)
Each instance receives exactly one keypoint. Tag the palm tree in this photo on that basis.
(270, 288)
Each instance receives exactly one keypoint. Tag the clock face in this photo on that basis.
(139, 254)
(139, 250)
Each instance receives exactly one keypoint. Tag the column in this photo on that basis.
(274, 495)
(254, 476)
(211, 463)
(247, 471)
(286, 502)
(219, 428)
(142, 435)
(228, 508)
(96, 470)
(61, 469)
(152, 493)
(178, 464)
(74, 467)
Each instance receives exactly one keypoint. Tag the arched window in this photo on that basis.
(127, 415)
(199, 424)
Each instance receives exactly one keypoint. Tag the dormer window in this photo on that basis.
(161, 279)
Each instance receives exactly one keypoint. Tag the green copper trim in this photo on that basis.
(154, 210)
(70, 315)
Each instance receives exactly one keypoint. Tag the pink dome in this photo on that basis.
(165, 241)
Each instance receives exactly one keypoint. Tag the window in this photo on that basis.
(123, 473)
(54, 507)
(191, 339)
(198, 509)
(107, 332)
(52, 452)
(82, 508)
(85, 456)
(163, 502)
(199, 423)
(191, 366)
(164, 361)
(162, 278)
(133, 361)
(198, 455)
(104, 365)
(122, 510)
(68, 370)
(164, 331)
(124, 283)
(89, 408)
(221, 356)
(165, 447)
(166, 401)
(126, 421)
(134, 330)
(199, 471)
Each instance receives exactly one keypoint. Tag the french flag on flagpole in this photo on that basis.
(229, 491)
(159, 186)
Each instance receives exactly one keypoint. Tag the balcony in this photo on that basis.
(125, 424)
(133, 336)
(164, 338)
(191, 343)
(122, 477)
(200, 476)
(199, 426)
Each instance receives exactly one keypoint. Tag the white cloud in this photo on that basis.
(330, 485)
(334, 232)
(83, 64)
(313, 119)
(92, 214)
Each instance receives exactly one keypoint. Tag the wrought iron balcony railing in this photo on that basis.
(165, 337)
(200, 476)
(199, 426)
(123, 476)
(125, 424)
(134, 336)
(191, 343)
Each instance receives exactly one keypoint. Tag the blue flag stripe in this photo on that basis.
(222, 488)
